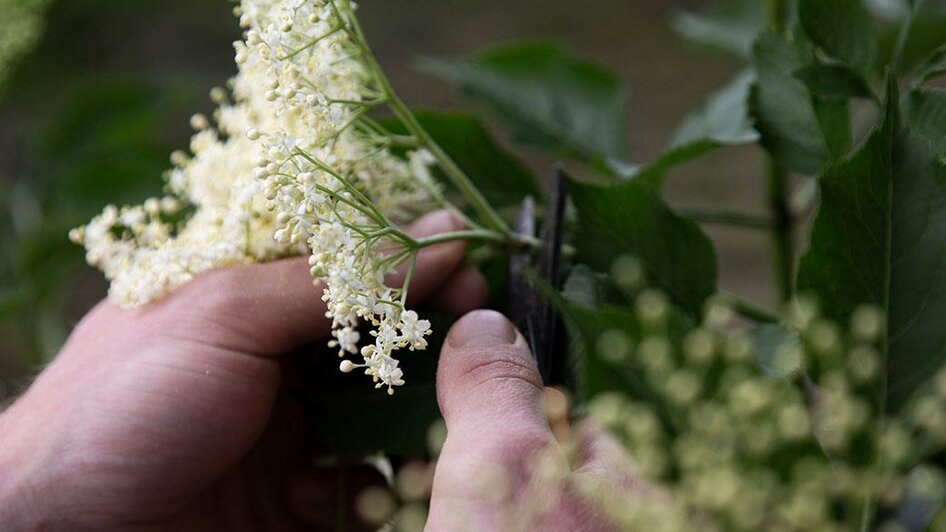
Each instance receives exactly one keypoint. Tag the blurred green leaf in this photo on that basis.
(934, 67)
(729, 26)
(497, 173)
(547, 98)
(630, 218)
(878, 239)
(843, 29)
(928, 33)
(925, 112)
(722, 118)
(783, 109)
(834, 119)
(834, 81)
(105, 147)
(597, 370)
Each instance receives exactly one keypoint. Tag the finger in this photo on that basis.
(487, 378)
(556, 411)
(465, 291)
(266, 309)
(490, 394)
(602, 457)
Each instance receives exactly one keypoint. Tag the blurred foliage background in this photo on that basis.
(90, 116)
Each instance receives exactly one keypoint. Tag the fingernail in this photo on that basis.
(433, 223)
(482, 327)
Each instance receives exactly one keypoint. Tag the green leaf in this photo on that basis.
(729, 26)
(835, 81)
(596, 372)
(783, 109)
(106, 146)
(630, 218)
(834, 119)
(498, 174)
(878, 239)
(925, 111)
(547, 98)
(721, 120)
(934, 67)
(843, 29)
(501, 178)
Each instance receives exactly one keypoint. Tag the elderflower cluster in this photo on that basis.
(293, 165)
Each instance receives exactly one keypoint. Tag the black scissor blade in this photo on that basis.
(546, 323)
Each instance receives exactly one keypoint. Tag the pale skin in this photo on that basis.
(172, 416)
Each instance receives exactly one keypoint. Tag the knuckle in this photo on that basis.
(504, 367)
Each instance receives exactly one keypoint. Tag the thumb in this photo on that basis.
(490, 394)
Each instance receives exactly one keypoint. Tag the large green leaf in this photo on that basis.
(783, 108)
(729, 26)
(501, 178)
(834, 81)
(879, 239)
(630, 218)
(720, 120)
(834, 119)
(547, 98)
(843, 29)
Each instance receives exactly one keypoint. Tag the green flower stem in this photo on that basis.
(746, 309)
(449, 167)
(477, 235)
(404, 114)
(407, 278)
(779, 14)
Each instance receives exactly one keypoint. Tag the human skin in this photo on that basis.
(172, 416)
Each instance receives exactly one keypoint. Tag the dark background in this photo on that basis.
(92, 114)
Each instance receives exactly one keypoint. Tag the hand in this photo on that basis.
(170, 416)
(502, 466)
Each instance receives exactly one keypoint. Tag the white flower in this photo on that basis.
(288, 168)
(413, 331)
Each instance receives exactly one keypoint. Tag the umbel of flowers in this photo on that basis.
(794, 437)
(292, 164)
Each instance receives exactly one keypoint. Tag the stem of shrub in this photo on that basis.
(782, 219)
(782, 231)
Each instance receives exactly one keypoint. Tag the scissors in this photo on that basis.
(532, 313)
